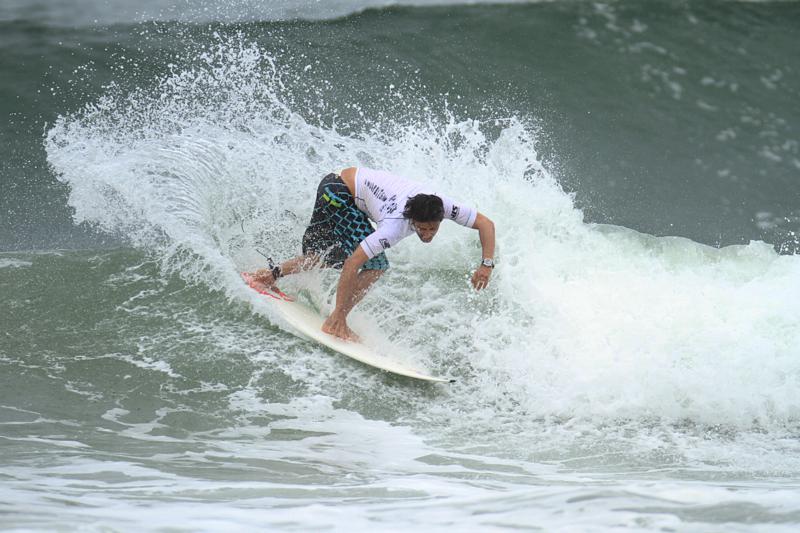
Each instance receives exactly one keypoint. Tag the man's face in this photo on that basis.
(425, 230)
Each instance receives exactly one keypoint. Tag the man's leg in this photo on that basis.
(365, 280)
(318, 237)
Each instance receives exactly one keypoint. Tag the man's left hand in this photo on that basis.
(480, 279)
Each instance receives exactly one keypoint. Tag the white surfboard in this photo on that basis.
(309, 323)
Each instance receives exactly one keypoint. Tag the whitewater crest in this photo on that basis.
(218, 160)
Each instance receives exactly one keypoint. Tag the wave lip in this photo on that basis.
(83, 13)
(586, 322)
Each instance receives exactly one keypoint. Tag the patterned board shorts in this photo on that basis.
(337, 226)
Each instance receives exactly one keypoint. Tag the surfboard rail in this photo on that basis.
(308, 323)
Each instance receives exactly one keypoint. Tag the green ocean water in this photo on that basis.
(671, 118)
(633, 364)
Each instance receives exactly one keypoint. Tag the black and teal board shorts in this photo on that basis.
(337, 226)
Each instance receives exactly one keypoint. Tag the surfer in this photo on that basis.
(341, 236)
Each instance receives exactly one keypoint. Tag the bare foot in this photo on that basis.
(339, 328)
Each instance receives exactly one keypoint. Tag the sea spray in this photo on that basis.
(217, 162)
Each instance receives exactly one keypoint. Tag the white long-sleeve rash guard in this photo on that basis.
(383, 196)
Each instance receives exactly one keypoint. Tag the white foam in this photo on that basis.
(581, 322)
(14, 263)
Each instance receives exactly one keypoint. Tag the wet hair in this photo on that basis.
(424, 208)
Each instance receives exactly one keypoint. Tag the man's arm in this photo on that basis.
(485, 229)
(346, 296)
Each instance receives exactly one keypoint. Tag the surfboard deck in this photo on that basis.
(309, 324)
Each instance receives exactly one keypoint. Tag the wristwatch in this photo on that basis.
(488, 262)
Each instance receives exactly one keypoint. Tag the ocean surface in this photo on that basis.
(634, 364)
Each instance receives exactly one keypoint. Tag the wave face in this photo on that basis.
(218, 161)
(665, 119)
(616, 371)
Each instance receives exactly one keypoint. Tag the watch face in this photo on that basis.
(488, 263)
